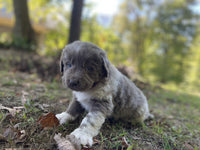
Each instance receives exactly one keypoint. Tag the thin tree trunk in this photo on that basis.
(22, 28)
(75, 25)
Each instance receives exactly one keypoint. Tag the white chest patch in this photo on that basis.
(82, 96)
(84, 99)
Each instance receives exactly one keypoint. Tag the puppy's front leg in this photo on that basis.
(73, 111)
(89, 127)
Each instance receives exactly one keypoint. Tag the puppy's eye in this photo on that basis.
(69, 65)
(89, 68)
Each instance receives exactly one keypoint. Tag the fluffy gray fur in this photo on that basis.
(98, 88)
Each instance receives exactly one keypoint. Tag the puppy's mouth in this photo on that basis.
(79, 86)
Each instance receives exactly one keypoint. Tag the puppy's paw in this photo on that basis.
(149, 117)
(83, 137)
(64, 117)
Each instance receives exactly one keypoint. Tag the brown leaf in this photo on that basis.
(18, 94)
(188, 146)
(124, 142)
(63, 101)
(86, 148)
(63, 143)
(96, 142)
(48, 121)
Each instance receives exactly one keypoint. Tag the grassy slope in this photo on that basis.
(176, 124)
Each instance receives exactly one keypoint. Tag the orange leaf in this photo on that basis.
(48, 121)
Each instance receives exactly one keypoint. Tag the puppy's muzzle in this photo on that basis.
(74, 83)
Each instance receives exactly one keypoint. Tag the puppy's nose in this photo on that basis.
(74, 83)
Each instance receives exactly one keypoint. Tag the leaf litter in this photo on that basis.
(48, 121)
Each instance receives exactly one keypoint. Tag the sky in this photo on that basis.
(105, 7)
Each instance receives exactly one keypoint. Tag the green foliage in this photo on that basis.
(54, 42)
(132, 24)
(105, 38)
(193, 73)
(159, 35)
(6, 4)
(56, 37)
(174, 31)
(22, 44)
(5, 40)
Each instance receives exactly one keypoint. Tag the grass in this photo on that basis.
(176, 124)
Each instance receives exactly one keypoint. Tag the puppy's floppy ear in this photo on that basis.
(61, 67)
(105, 69)
(61, 63)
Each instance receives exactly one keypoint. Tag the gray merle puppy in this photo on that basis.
(99, 89)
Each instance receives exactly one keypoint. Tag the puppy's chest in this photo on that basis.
(87, 100)
(84, 99)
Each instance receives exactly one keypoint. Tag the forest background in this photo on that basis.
(156, 43)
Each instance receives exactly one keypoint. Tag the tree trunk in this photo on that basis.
(75, 25)
(22, 28)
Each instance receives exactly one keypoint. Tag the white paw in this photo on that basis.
(64, 117)
(83, 137)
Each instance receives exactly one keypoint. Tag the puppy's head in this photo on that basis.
(83, 66)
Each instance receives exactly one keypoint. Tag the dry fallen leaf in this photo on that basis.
(70, 142)
(124, 142)
(63, 101)
(48, 121)
(15, 135)
(13, 110)
(63, 143)
(96, 142)
(136, 138)
(5, 108)
(24, 97)
(86, 148)
(188, 146)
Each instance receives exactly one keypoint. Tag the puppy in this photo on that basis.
(99, 89)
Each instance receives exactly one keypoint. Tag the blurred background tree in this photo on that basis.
(23, 32)
(75, 23)
(159, 35)
(175, 30)
(159, 40)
